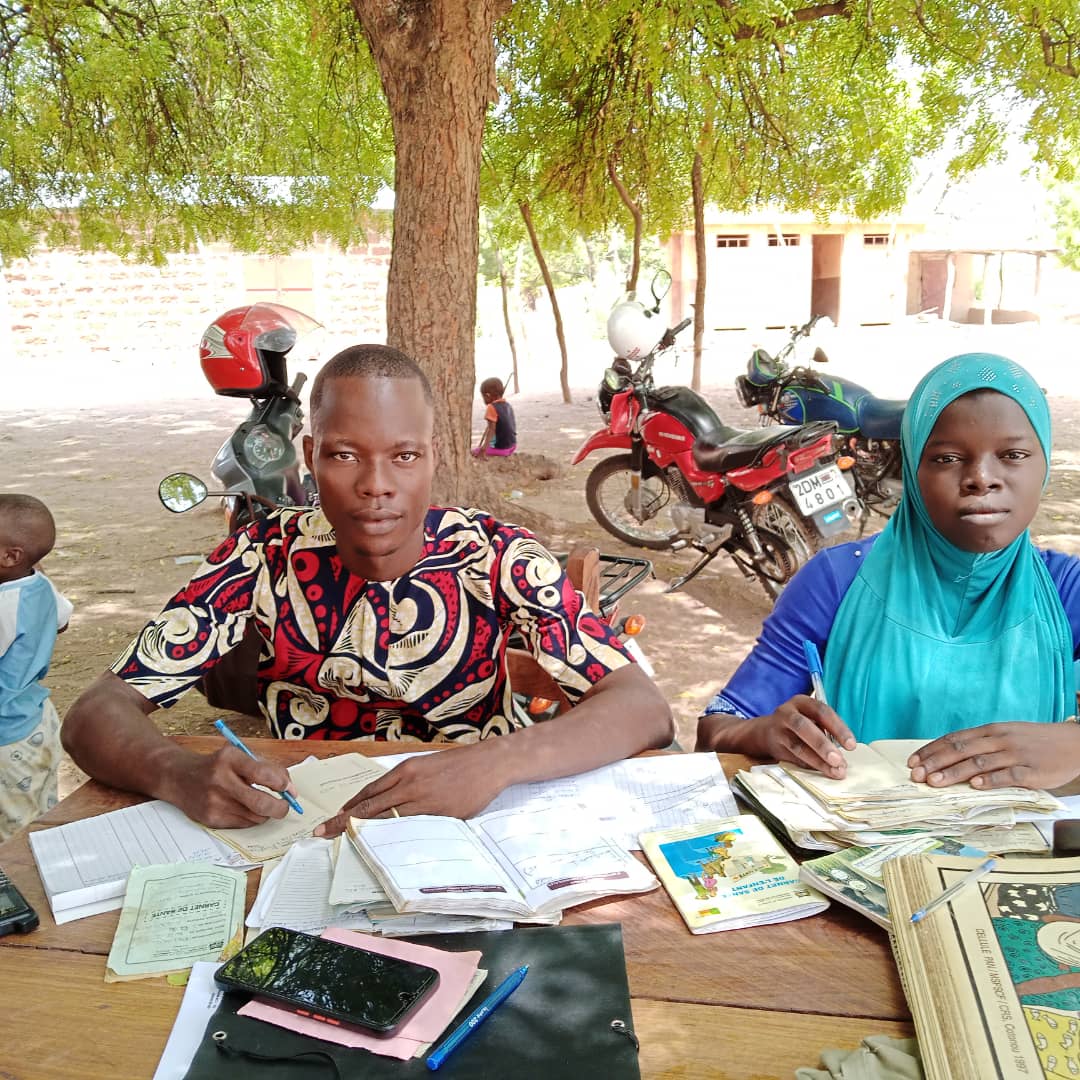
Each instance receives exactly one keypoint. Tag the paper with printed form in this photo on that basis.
(174, 916)
(84, 865)
(323, 786)
(634, 796)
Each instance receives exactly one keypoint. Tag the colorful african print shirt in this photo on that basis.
(417, 658)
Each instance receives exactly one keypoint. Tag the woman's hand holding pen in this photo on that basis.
(216, 789)
(802, 731)
(1001, 755)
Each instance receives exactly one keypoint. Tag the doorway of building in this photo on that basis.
(827, 250)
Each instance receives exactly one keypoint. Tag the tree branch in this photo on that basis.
(635, 210)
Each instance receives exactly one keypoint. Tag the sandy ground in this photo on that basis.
(93, 436)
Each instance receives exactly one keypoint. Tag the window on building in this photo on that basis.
(790, 239)
(732, 240)
(875, 239)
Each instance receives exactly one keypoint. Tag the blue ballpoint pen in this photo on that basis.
(813, 662)
(235, 740)
(486, 1008)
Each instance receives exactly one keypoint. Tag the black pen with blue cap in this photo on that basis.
(232, 737)
(817, 677)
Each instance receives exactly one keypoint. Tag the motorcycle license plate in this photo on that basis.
(814, 491)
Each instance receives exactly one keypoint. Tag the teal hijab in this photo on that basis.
(931, 639)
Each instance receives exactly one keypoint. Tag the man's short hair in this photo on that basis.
(492, 386)
(369, 362)
(27, 523)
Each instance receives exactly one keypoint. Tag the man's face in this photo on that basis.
(372, 454)
(981, 472)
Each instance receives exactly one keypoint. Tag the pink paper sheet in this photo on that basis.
(430, 1020)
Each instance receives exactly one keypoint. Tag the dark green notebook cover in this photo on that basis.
(557, 1023)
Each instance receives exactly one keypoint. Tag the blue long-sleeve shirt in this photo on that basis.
(775, 669)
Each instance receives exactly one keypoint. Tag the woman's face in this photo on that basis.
(981, 472)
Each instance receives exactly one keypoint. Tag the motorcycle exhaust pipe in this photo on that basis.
(853, 510)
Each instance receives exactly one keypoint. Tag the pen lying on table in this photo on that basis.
(475, 1019)
(236, 741)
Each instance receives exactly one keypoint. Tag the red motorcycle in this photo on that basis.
(767, 497)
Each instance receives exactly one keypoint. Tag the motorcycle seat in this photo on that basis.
(728, 448)
(879, 418)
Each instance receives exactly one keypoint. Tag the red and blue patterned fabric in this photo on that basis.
(421, 657)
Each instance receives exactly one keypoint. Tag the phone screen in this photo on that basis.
(328, 978)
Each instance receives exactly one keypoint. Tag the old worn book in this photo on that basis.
(729, 873)
(993, 974)
(878, 793)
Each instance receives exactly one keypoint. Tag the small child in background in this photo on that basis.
(32, 613)
(500, 434)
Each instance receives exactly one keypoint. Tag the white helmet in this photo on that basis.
(633, 330)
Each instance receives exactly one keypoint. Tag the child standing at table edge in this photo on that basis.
(500, 433)
(32, 613)
(950, 626)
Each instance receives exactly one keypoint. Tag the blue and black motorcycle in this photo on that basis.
(800, 395)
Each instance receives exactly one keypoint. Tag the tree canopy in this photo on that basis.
(144, 125)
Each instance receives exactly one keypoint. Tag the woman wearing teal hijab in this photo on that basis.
(951, 626)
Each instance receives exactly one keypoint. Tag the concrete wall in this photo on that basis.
(762, 285)
(102, 305)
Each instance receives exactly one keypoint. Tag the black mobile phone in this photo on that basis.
(16, 915)
(328, 980)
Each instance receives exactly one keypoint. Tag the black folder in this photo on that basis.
(559, 1021)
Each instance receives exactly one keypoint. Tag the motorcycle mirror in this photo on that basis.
(661, 286)
(181, 491)
(819, 356)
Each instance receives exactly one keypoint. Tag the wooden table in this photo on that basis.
(753, 1003)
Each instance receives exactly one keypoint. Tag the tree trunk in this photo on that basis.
(504, 285)
(436, 61)
(526, 213)
(698, 189)
(635, 211)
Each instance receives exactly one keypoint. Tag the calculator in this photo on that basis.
(16, 915)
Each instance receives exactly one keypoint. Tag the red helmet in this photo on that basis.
(243, 351)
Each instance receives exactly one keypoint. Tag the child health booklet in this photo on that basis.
(729, 873)
(523, 863)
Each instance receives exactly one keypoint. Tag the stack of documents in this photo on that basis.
(323, 885)
(84, 865)
(876, 800)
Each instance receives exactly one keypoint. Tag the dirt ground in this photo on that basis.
(96, 454)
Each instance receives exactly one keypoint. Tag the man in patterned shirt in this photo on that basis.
(381, 617)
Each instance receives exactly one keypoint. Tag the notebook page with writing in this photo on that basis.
(323, 786)
(556, 859)
(436, 864)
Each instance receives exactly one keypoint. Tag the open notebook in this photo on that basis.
(526, 864)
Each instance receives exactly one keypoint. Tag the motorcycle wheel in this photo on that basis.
(781, 519)
(778, 567)
(607, 491)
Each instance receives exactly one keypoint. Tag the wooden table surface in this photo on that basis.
(756, 1002)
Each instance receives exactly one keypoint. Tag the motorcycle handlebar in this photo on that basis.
(681, 327)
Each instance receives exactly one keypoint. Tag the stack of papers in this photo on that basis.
(877, 800)
(323, 885)
(84, 865)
